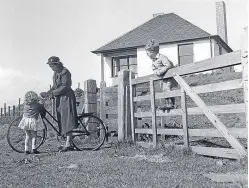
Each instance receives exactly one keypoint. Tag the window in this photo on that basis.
(185, 54)
(124, 63)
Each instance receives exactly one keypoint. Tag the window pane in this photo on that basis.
(123, 61)
(186, 60)
(186, 49)
(115, 62)
(133, 68)
(115, 71)
(132, 60)
(123, 67)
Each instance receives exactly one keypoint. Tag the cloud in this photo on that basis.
(7, 75)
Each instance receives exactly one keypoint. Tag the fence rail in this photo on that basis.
(226, 60)
(236, 132)
(227, 85)
(218, 109)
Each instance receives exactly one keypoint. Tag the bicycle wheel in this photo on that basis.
(93, 138)
(16, 136)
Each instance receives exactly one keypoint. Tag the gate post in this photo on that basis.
(244, 62)
(102, 100)
(90, 96)
(124, 118)
(90, 89)
(102, 104)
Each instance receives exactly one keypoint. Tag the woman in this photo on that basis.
(65, 100)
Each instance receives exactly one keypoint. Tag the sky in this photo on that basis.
(33, 30)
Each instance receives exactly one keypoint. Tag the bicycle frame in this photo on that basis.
(75, 131)
(50, 122)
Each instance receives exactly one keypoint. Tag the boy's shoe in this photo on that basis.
(27, 152)
(166, 107)
(34, 151)
(65, 149)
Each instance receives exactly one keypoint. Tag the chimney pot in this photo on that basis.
(158, 14)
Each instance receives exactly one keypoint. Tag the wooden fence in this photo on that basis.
(12, 110)
(108, 107)
(231, 135)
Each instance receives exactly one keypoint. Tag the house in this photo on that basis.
(182, 41)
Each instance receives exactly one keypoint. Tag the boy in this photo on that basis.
(160, 65)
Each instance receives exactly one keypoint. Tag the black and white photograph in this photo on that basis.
(124, 94)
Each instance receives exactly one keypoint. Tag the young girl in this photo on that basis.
(31, 121)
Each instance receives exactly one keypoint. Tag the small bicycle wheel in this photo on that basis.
(90, 134)
(16, 136)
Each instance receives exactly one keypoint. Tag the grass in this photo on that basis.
(125, 164)
(122, 165)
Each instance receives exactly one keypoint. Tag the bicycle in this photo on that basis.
(90, 134)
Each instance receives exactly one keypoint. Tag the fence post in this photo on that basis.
(102, 104)
(14, 110)
(102, 100)
(127, 113)
(5, 113)
(133, 109)
(19, 107)
(153, 112)
(184, 118)
(123, 117)
(244, 61)
(90, 96)
(9, 111)
(162, 119)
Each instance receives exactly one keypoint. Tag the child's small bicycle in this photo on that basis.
(90, 134)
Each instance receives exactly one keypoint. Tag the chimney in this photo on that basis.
(158, 14)
(221, 20)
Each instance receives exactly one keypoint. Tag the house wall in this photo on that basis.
(108, 73)
(237, 68)
(216, 48)
(202, 50)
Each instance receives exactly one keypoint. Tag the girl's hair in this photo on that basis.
(31, 97)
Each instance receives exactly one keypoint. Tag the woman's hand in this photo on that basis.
(44, 95)
(47, 95)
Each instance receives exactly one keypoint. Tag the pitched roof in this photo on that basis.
(163, 28)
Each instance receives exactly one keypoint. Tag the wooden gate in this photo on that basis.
(211, 112)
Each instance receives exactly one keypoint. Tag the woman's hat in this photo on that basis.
(53, 60)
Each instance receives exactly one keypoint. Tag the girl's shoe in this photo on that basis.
(34, 151)
(65, 149)
(27, 152)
